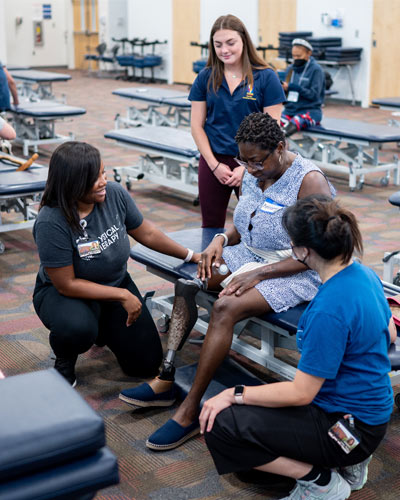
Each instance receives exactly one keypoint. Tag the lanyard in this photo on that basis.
(302, 75)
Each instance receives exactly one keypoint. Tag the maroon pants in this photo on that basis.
(214, 196)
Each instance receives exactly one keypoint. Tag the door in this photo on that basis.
(86, 31)
(186, 29)
(275, 16)
(385, 65)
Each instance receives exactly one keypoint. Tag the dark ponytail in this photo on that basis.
(320, 223)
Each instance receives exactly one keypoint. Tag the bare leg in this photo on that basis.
(286, 467)
(227, 311)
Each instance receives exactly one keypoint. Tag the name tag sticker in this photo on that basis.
(293, 96)
(270, 206)
(89, 248)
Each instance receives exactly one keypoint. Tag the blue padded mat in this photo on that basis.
(350, 129)
(46, 109)
(161, 139)
(198, 239)
(66, 481)
(44, 422)
(13, 183)
(32, 75)
(388, 101)
(155, 95)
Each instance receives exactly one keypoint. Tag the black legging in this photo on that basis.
(76, 324)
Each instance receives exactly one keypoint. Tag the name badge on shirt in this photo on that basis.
(293, 96)
(88, 248)
(270, 206)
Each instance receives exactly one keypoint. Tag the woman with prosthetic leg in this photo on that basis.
(256, 250)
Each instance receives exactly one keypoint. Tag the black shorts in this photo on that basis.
(244, 437)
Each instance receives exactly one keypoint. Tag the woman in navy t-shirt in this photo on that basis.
(334, 414)
(84, 294)
(235, 83)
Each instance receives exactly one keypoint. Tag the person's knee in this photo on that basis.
(226, 309)
(76, 332)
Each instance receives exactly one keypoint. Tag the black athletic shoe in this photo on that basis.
(289, 129)
(66, 367)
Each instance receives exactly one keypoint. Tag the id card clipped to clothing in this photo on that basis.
(345, 434)
(293, 96)
(87, 247)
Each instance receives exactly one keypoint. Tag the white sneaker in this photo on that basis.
(336, 489)
(356, 475)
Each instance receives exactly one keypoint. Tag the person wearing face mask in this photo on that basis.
(305, 88)
(262, 275)
(235, 83)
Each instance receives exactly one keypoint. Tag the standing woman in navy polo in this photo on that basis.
(234, 83)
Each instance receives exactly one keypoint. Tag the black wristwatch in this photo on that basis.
(238, 394)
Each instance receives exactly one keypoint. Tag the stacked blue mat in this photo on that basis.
(199, 65)
(52, 442)
(286, 38)
(321, 44)
(343, 54)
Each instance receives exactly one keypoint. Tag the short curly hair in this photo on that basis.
(260, 129)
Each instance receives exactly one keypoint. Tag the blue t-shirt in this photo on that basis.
(4, 90)
(225, 111)
(343, 337)
(107, 223)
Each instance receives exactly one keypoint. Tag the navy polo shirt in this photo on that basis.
(225, 111)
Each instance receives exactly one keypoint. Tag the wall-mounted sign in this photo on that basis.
(46, 7)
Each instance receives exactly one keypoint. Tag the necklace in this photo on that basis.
(233, 76)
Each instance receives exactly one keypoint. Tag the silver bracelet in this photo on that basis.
(225, 239)
(189, 255)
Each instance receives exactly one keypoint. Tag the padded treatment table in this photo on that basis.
(34, 122)
(390, 103)
(272, 330)
(164, 107)
(170, 156)
(349, 147)
(52, 442)
(19, 191)
(37, 84)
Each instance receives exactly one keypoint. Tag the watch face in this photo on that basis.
(239, 390)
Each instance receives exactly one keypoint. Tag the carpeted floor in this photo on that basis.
(187, 472)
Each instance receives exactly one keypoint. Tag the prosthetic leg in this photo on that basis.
(183, 319)
(161, 391)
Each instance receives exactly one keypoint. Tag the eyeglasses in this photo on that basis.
(294, 256)
(257, 165)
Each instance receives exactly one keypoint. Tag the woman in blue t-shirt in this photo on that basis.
(341, 388)
(235, 83)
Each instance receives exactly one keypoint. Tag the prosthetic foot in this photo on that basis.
(161, 391)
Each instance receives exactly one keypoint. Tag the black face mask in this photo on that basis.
(297, 63)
